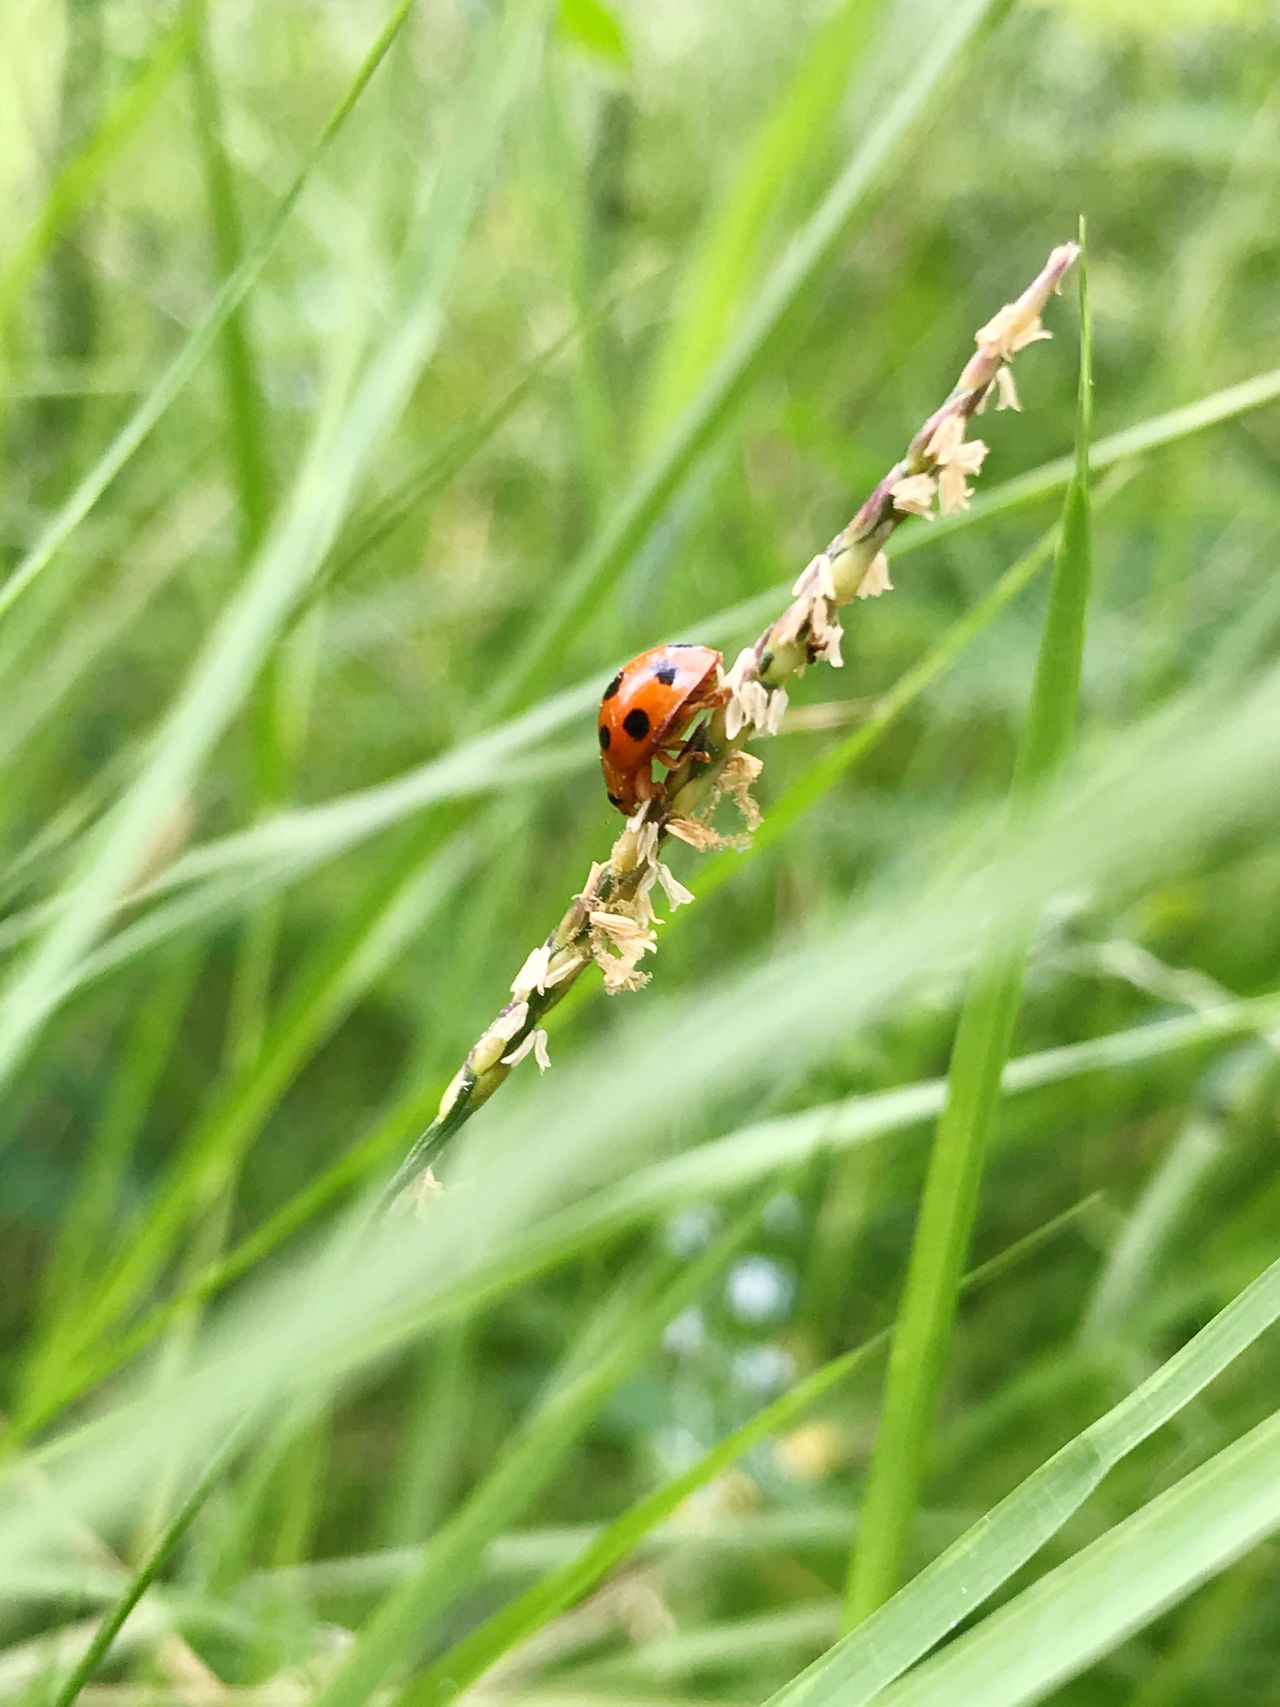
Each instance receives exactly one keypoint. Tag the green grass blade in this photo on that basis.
(247, 411)
(80, 175)
(789, 141)
(468, 1659)
(348, 820)
(1172, 427)
(1082, 1610)
(983, 1037)
(145, 1576)
(394, 1632)
(1197, 1150)
(1135, 813)
(92, 1221)
(218, 683)
(712, 1170)
(421, 880)
(810, 251)
(949, 1589)
(151, 410)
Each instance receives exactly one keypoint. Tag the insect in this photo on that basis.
(645, 715)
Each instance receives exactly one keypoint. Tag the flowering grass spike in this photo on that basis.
(610, 923)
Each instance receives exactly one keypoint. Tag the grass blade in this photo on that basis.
(1079, 1612)
(419, 882)
(805, 257)
(712, 1170)
(145, 1575)
(468, 1659)
(899, 1633)
(395, 1629)
(786, 146)
(983, 1037)
(247, 411)
(348, 820)
(153, 406)
(80, 174)
(229, 663)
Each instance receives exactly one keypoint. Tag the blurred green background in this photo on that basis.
(551, 358)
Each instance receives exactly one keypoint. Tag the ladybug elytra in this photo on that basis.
(645, 713)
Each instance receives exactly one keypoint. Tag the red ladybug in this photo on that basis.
(645, 715)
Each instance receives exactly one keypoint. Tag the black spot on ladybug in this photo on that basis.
(636, 724)
(666, 675)
(604, 739)
(683, 645)
(614, 801)
(613, 687)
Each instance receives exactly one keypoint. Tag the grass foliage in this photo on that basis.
(374, 381)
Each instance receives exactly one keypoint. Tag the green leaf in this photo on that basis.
(394, 1632)
(145, 1575)
(468, 1659)
(138, 428)
(812, 249)
(790, 143)
(592, 25)
(1085, 1608)
(983, 1037)
(712, 1169)
(421, 880)
(955, 1584)
(223, 674)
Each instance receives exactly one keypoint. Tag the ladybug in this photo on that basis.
(645, 715)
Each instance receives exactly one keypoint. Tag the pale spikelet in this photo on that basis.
(1014, 326)
(953, 490)
(562, 968)
(736, 779)
(509, 1023)
(953, 484)
(1006, 391)
(675, 891)
(817, 576)
(592, 886)
(777, 711)
(876, 580)
(789, 624)
(827, 634)
(1018, 323)
(647, 842)
(744, 666)
(697, 834)
(533, 974)
(804, 580)
(913, 494)
(618, 944)
(489, 1048)
(640, 906)
(621, 927)
(748, 708)
(955, 460)
(635, 847)
(946, 440)
(751, 704)
(536, 1044)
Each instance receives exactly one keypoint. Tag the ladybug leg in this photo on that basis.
(679, 753)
